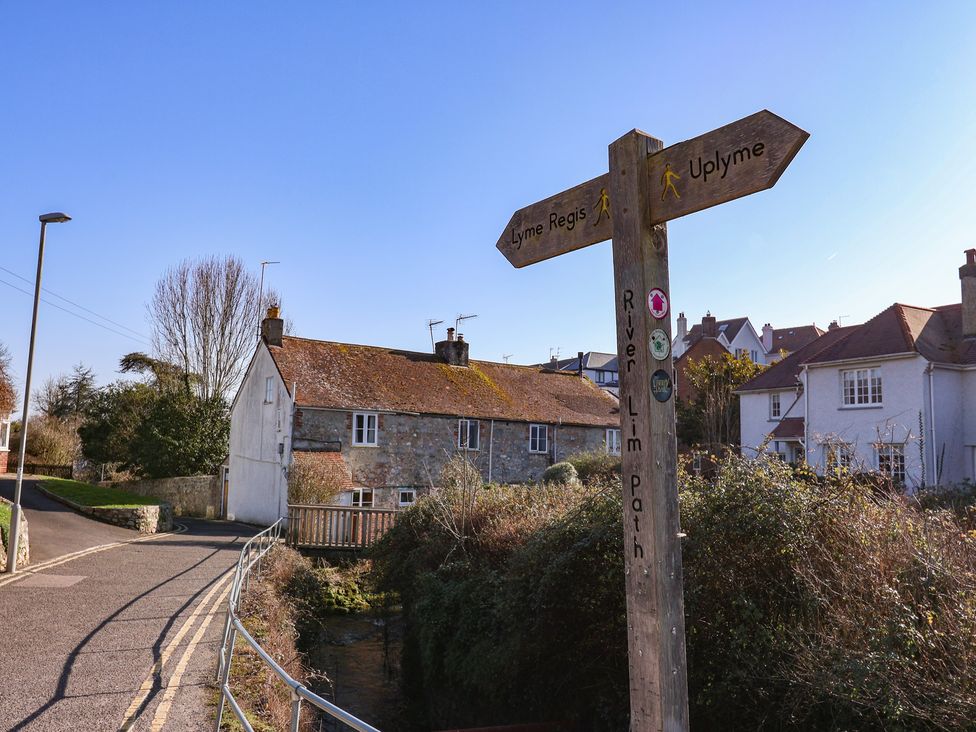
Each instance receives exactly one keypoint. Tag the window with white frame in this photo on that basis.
(799, 454)
(740, 352)
(861, 387)
(837, 457)
(407, 497)
(696, 463)
(601, 377)
(364, 428)
(538, 438)
(362, 497)
(468, 434)
(613, 442)
(774, 406)
(269, 390)
(4, 434)
(891, 461)
(754, 355)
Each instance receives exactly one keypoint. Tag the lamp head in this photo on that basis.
(54, 218)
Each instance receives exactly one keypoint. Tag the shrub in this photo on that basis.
(810, 604)
(312, 479)
(459, 472)
(596, 467)
(561, 474)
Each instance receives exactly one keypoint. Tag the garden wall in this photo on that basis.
(195, 495)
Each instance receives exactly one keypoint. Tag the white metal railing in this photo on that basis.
(250, 558)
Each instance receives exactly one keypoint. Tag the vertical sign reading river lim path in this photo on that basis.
(648, 185)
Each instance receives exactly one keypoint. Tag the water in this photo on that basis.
(359, 656)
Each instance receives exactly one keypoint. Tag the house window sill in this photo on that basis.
(846, 407)
(365, 444)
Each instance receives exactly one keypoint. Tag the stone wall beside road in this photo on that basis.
(195, 495)
(23, 549)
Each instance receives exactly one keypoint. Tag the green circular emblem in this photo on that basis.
(659, 344)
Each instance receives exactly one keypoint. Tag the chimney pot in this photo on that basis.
(967, 278)
(450, 334)
(709, 326)
(273, 327)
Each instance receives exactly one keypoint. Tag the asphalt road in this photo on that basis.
(120, 635)
(56, 530)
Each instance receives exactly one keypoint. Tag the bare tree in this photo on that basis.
(7, 393)
(204, 315)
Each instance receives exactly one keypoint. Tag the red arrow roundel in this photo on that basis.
(657, 303)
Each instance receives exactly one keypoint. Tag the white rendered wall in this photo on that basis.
(950, 413)
(905, 391)
(258, 487)
(754, 421)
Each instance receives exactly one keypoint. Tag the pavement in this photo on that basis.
(109, 630)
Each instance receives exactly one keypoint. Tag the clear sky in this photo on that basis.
(378, 150)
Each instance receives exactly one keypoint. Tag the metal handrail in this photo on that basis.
(251, 554)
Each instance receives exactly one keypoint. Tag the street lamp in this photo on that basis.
(45, 219)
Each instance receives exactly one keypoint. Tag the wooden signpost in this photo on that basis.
(647, 185)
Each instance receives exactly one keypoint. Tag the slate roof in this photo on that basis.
(793, 339)
(729, 328)
(345, 376)
(591, 360)
(789, 428)
(783, 374)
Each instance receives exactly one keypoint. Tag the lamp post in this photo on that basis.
(45, 219)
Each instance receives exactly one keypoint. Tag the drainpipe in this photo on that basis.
(806, 411)
(930, 369)
(491, 442)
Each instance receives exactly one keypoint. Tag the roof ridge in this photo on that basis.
(419, 353)
(906, 330)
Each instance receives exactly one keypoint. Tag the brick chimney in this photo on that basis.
(682, 324)
(967, 276)
(767, 338)
(453, 351)
(273, 327)
(709, 326)
(834, 325)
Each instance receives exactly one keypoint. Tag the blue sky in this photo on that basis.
(378, 151)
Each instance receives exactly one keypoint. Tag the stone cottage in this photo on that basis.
(387, 420)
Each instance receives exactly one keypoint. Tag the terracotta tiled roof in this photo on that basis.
(793, 339)
(343, 376)
(783, 374)
(935, 333)
(330, 464)
(790, 428)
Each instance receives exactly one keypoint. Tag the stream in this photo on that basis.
(359, 656)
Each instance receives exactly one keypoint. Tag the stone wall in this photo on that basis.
(196, 495)
(412, 449)
(23, 544)
(144, 519)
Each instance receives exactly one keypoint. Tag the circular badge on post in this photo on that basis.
(657, 303)
(659, 345)
(661, 386)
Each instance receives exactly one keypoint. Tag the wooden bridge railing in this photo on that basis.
(337, 527)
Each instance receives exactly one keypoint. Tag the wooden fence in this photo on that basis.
(54, 471)
(337, 527)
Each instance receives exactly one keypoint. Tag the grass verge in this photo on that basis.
(85, 494)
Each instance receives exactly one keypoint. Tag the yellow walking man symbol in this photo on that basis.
(604, 204)
(667, 180)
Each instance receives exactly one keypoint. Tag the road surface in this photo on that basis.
(107, 630)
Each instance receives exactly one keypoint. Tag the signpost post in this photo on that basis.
(648, 185)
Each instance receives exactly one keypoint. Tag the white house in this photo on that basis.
(739, 337)
(896, 394)
(385, 422)
(600, 368)
(4, 441)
